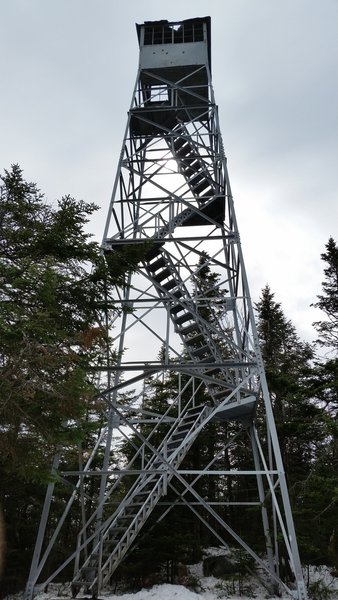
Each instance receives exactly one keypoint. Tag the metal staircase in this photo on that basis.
(119, 531)
(191, 164)
(203, 344)
(209, 205)
(196, 169)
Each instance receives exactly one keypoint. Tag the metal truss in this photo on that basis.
(186, 313)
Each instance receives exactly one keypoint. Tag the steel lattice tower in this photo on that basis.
(172, 203)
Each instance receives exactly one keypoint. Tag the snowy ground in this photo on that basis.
(170, 592)
(212, 588)
(322, 586)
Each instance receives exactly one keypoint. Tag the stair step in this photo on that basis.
(195, 409)
(111, 538)
(197, 177)
(141, 495)
(182, 432)
(174, 444)
(155, 250)
(178, 142)
(186, 317)
(207, 359)
(176, 309)
(189, 329)
(184, 428)
(189, 417)
(170, 284)
(160, 262)
(148, 485)
(207, 195)
(180, 439)
(200, 351)
(185, 422)
(131, 514)
(193, 168)
(184, 150)
(216, 371)
(163, 275)
(89, 569)
(127, 517)
(201, 186)
(144, 492)
(218, 395)
(195, 340)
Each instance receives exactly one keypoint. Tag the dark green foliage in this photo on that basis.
(47, 307)
(323, 486)
(304, 394)
(53, 279)
(289, 370)
(328, 300)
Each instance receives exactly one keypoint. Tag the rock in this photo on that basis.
(218, 566)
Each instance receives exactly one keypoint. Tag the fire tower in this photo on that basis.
(186, 311)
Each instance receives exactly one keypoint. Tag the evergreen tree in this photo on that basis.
(300, 422)
(326, 380)
(328, 300)
(323, 494)
(52, 282)
(288, 365)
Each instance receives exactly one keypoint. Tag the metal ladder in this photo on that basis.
(196, 173)
(194, 333)
(204, 188)
(191, 165)
(119, 531)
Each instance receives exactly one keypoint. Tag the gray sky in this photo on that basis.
(68, 68)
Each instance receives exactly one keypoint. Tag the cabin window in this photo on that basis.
(159, 93)
(173, 33)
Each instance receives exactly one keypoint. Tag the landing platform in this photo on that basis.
(237, 411)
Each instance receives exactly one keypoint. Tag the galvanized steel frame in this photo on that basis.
(182, 218)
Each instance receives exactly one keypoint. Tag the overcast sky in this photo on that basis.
(68, 68)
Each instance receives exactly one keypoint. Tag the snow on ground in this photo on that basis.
(168, 591)
(209, 588)
(322, 586)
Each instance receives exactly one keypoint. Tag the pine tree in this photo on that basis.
(323, 494)
(300, 421)
(288, 364)
(328, 300)
(52, 282)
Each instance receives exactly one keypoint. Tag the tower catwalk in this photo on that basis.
(184, 317)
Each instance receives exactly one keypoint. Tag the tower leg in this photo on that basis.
(35, 570)
(265, 518)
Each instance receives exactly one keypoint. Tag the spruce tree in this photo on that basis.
(299, 420)
(328, 300)
(288, 364)
(52, 282)
(323, 494)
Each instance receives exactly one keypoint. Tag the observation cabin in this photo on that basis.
(174, 74)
